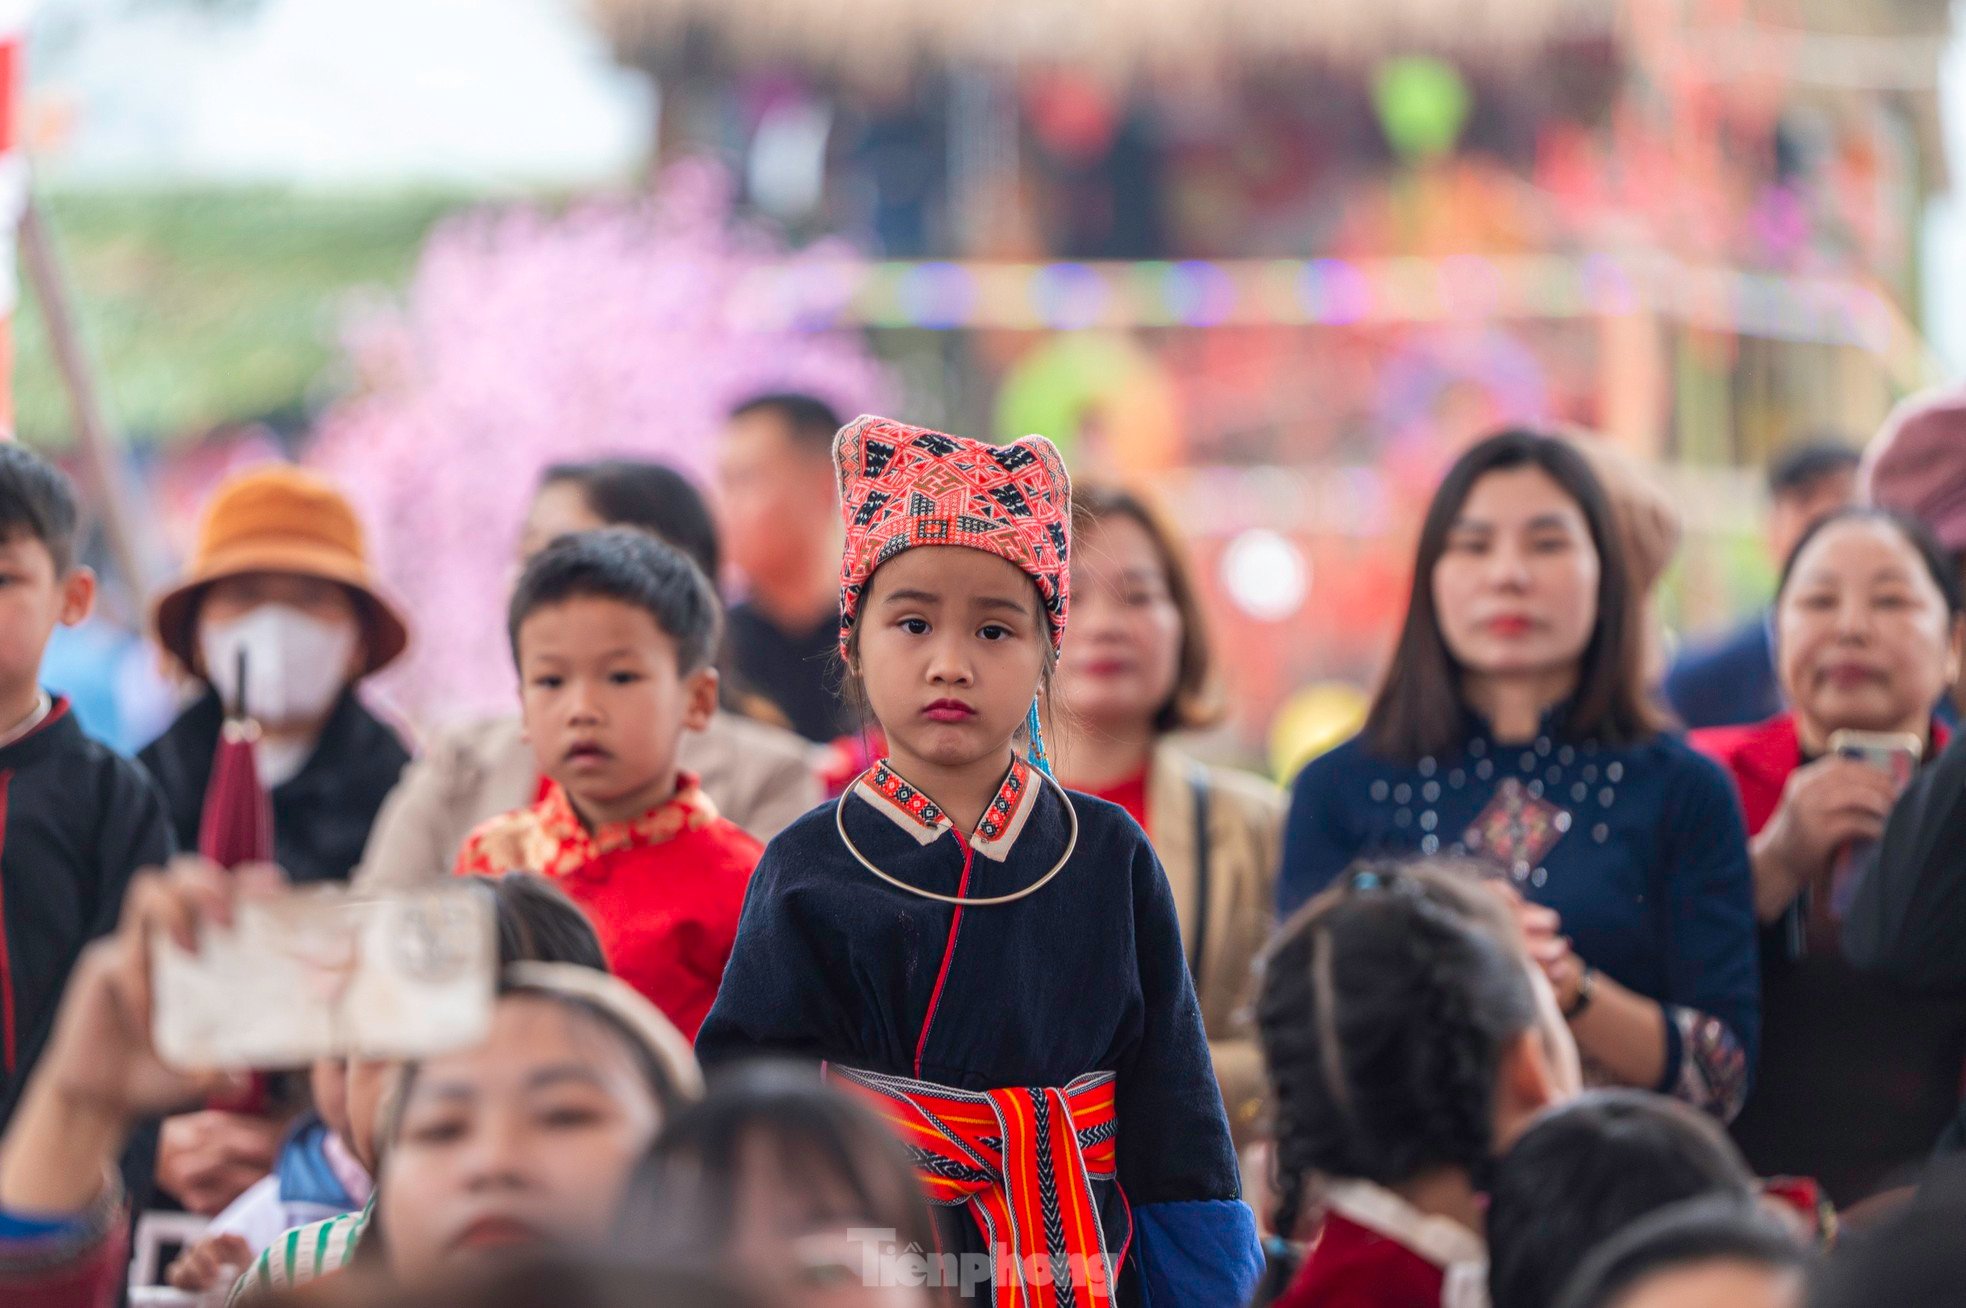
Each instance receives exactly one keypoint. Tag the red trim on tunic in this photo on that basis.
(8, 1036)
(948, 955)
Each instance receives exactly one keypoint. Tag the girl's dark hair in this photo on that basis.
(1195, 703)
(655, 498)
(1938, 564)
(538, 923)
(682, 1205)
(1386, 1005)
(1719, 1228)
(1587, 1170)
(1419, 709)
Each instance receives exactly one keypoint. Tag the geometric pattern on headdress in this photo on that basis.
(903, 486)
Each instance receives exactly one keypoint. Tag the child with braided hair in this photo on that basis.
(1409, 1039)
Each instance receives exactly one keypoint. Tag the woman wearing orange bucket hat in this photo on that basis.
(279, 618)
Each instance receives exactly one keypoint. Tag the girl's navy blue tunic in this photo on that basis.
(1640, 848)
(1085, 975)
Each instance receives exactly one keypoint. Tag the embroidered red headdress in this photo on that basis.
(903, 486)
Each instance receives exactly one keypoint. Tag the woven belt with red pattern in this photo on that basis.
(1022, 1161)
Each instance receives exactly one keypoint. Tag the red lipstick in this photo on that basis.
(948, 710)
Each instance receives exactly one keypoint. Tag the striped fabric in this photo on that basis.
(302, 1255)
(1023, 1162)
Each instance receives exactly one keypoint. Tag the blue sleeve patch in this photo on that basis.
(1203, 1251)
(29, 1227)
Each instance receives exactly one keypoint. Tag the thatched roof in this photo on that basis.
(878, 38)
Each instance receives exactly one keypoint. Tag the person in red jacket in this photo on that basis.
(613, 632)
(1859, 1075)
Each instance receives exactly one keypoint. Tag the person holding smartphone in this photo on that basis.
(1858, 1075)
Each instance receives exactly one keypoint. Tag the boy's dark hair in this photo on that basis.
(1716, 1229)
(1385, 1007)
(1798, 468)
(809, 421)
(684, 1200)
(538, 923)
(1584, 1172)
(651, 496)
(1419, 709)
(1938, 564)
(630, 567)
(37, 500)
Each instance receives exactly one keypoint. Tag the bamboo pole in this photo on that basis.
(101, 469)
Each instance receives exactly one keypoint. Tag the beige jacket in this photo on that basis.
(1245, 835)
(758, 776)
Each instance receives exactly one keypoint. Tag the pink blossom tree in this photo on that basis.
(619, 327)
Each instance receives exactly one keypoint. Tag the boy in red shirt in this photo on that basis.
(613, 633)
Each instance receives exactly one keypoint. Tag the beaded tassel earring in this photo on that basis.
(1036, 730)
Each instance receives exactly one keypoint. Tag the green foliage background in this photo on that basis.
(202, 307)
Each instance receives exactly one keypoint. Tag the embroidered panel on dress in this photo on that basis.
(1517, 829)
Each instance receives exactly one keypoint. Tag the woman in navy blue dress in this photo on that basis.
(1512, 727)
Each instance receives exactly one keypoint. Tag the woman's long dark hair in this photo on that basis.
(1419, 709)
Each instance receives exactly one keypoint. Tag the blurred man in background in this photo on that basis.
(775, 478)
(1732, 681)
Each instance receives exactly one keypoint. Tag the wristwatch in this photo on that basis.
(1586, 991)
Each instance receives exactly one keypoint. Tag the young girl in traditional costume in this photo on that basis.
(995, 962)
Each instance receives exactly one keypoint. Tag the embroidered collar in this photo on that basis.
(27, 726)
(892, 795)
(554, 841)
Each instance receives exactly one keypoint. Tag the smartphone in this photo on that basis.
(327, 972)
(1896, 753)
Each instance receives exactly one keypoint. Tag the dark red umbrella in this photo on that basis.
(237, 824)
(237, 827)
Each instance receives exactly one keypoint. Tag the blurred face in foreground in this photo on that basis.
(1720, 1283)
(524, 1141)
(796, 1233)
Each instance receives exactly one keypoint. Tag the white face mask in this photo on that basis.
(296, 665)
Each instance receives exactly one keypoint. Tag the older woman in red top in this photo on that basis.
(1857, 1077)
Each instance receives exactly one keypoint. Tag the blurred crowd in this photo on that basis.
(883, 938)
